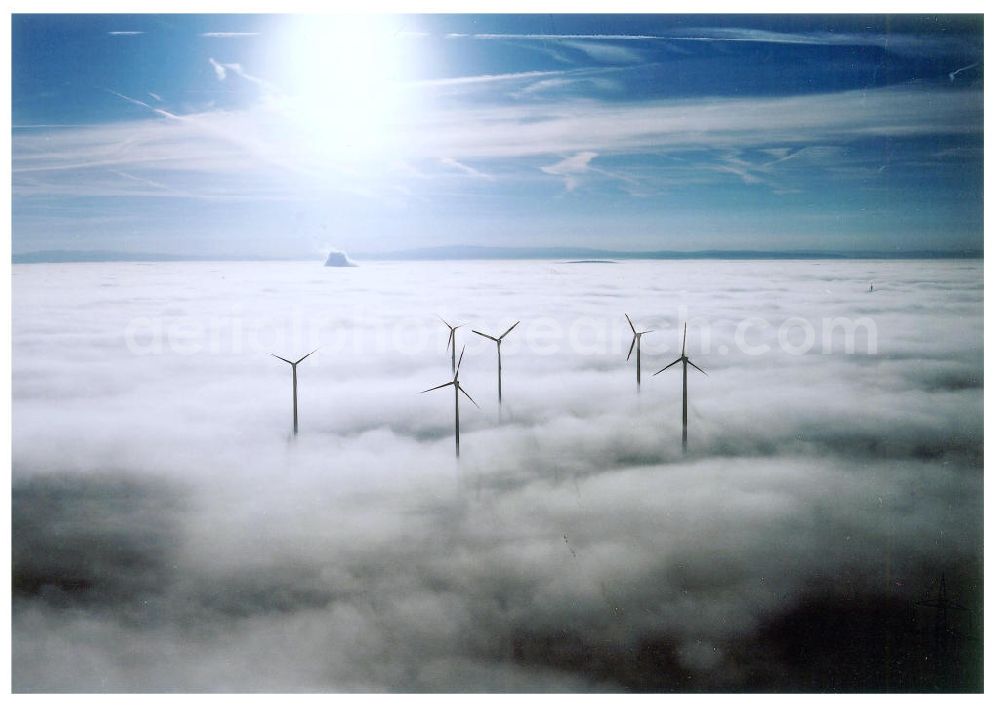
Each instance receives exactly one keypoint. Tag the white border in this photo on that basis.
(506, 7)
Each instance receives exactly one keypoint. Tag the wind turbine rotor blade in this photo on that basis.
(459, 365)
(446, 323)
(684, 344)
(668, 366)
(646, 332)
(630, 323)
(483, 334)
(281, 358)
(698, 368)
(440, 386)
(508, 330)
(304, 356)
(451, 336)
(629, 355)
(467, 395)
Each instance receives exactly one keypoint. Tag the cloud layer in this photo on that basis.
(168, 534)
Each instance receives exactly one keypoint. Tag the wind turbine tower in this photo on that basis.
(458, 388)
(683, 359)
(943, 639)
(498, 340)
(637, 346)
(295, 389)
(451, 341)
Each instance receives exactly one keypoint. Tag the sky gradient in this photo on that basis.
(288, 136)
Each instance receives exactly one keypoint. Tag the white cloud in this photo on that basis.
(220, 70)
(637, 127)
(143, 104)
(604, 52)
(570, 168)
(569, 83)
(891, 41)
(168, 536)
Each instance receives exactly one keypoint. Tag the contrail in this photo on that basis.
(953, 74)
(137, 102)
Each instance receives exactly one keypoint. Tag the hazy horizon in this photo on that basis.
(465, 252)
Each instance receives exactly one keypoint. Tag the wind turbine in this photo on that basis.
(683, 359)
(451, 341)
(637, 346)
(458, 388)
(295, 389)
(498, 340)
(943, 632)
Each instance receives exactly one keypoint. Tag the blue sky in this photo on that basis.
(291, 135)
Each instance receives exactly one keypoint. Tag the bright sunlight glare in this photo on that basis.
(343, 76)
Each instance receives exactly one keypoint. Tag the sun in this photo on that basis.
(343, 77)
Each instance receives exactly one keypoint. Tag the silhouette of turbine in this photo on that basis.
(458, 388)
(451, 340)
(944, 635)
(683, 359)
(295, 389)
(637, 346)
(498, 340)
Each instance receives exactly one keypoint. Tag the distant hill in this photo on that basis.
(338, 259)
(130, 256)
(470, 253)
(462, 253)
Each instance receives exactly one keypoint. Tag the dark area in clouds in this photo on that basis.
(104, 550)
(168, 536)
(91, 542)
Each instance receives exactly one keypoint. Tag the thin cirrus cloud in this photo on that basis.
(486, 78)
(228, 143)
(518, 131)
(554, 37)
(230, 34)
(465, 169)
(526, 83)
(545, 86)
(143, 104)
(890, 41)
(598, 47)
(607, 53)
